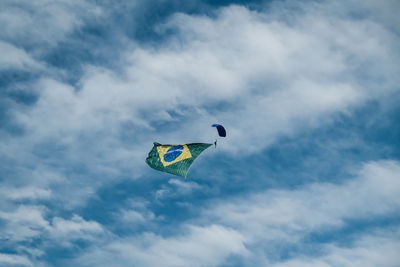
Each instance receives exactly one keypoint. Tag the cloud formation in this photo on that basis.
(85, 92)
(256, 228)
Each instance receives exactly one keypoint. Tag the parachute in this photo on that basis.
(221, 129)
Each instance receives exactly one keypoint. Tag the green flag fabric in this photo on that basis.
(174, 159)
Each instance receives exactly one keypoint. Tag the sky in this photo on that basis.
(308, 91)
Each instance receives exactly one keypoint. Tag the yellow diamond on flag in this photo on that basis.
(172, 154)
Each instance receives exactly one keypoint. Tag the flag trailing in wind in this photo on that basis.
(175, 159)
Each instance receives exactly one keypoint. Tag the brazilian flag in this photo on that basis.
(175, 159)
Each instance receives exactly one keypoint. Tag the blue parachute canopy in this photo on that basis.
(221, 129)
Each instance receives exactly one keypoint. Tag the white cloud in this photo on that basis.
(132, 216)
(256, 227)
(185, 187)
(33, 252)
(135, 212)
(41, 23)
(273, 78)
(278, 76)
(76, 226)
(177, 188)
(25, 223)
(376, 249)
(289, 215)
(200, 246)
(11, 260)
(12, 57)
(24, 193)
(258, 73)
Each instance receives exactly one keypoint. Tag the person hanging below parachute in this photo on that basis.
(177, 159)
(221, 132)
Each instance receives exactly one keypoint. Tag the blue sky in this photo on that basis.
(308, 175)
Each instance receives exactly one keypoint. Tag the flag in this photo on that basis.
(175, 159)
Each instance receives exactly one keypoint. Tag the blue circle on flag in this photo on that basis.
(173, 153)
